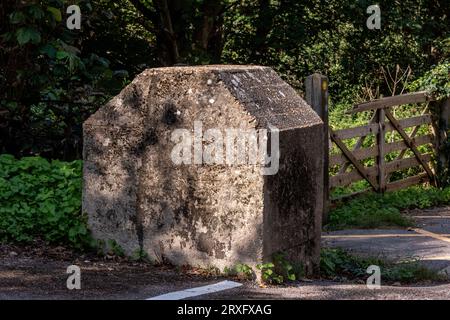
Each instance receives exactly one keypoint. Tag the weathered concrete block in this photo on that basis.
(204, 213)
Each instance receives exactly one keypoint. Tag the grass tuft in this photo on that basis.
(374, 210)
(335, 263)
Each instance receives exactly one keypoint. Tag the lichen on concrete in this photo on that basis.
(204, 214)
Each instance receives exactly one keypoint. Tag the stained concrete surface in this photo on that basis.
(204, 214)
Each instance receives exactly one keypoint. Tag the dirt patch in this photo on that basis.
(38, 271)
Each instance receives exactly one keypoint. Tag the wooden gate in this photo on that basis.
(363, 153)
(350, 161)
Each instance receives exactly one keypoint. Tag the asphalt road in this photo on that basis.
(429, 241)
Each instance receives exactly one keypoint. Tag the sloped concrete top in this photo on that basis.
(260, 91)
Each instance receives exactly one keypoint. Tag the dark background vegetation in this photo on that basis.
(51, 78)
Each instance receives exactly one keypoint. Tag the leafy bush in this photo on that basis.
(49, 83)
(41, 199)
(280, 270)
(335, 262)
(52, 78)
(268, 274)
(436, 81)
(376, 210)
(240, 270)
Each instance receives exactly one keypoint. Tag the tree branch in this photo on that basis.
(146, 12)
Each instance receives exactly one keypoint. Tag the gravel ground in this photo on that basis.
(38, 271)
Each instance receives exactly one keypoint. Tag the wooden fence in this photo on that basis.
(350, 164)
(378, 174)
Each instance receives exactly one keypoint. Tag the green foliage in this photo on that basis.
(240, 270)
(268, 274)
(49, 82)
(279, 270)
(27, 34)
(52, 78)
(244, 269)
(374, 210)
(41, 199)
(298, 38)
(435, 81)
(335, 263)
(115, 248)
(140, 255)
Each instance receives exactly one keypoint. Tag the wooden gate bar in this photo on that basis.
(410, 143)
(416, 97)
(370, 152)
(380, 157)
(352, 159)
(414, 131)
(406, 163)
(347, 178)
(400, 184)
(412, 135)
(373, 127)
(358, 144)
(359, 131)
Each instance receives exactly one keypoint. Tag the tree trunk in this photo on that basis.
(180, 36)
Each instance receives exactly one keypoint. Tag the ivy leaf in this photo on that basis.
(49, 50)
(56, 13)
(17, 17)
(8, 36)
(36, 12)
(60, 55)
(28, 34)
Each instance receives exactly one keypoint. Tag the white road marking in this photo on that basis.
(446, 257)
(387, 235)
(193, 292)
(432, 234)
(431, 217)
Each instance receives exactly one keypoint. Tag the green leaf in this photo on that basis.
(49, 50)
(8, 36)
(28, 34)
(36, 12)
(60, 55)
(17, 17)
(56, 13)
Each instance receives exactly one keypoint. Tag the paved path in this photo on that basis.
(429, 241)
(323, 290)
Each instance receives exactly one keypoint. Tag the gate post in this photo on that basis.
(380, 143)
(316, 86)
(442, 147)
